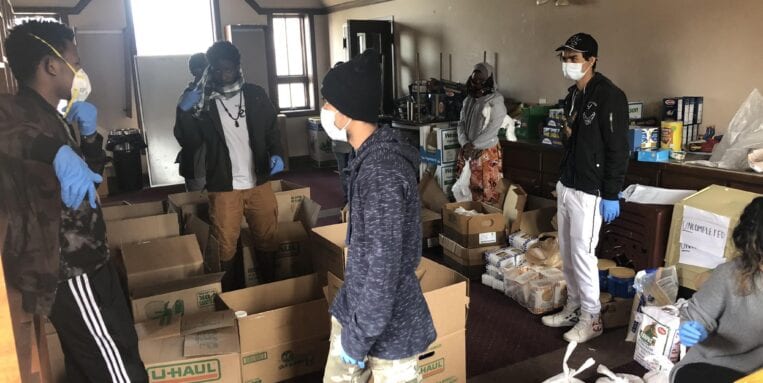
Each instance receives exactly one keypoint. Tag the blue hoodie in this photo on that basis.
(381, 306)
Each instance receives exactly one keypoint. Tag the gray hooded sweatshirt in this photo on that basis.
(475, 127)
(381, 306)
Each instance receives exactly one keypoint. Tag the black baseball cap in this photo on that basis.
(581, 42)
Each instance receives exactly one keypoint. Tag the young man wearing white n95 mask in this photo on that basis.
(592, 175)
(380, 320)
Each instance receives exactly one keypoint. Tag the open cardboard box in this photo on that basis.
(162, 260)
(432, 196)
(186, 296)
(120, 212)
(286, 331)
(447, 295)
(203, 348)
(289, 196)
(188, 203)
(536, 217)
(138, 229)
(486, 229)
(716, 203)
(512, 201)
(329, 251)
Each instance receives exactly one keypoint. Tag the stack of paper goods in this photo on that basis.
(538, 289)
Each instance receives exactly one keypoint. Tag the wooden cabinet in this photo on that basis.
(536, 168)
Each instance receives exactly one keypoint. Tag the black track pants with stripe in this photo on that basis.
(96, 329)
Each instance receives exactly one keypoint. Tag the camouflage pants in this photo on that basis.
(383, 371)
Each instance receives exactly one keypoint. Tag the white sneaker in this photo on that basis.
(587, 328)
(568, 317)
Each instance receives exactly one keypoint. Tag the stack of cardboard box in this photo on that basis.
(466, 238)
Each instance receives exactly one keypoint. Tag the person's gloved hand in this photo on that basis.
(610, 210)
(189, 99)
(348, 359)
(85, 115)
(276, 165)
(691, 333)
(75, 177)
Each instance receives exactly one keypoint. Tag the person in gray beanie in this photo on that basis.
(380, 320)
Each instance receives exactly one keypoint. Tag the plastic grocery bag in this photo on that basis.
(568, 375)
(662, 373)
(745, 132)
(461, 190)
(611, 377)
(511, 126)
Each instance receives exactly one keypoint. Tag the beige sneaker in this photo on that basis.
(568, 317)
(587, 328)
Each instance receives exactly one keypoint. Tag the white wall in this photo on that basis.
(650, 48)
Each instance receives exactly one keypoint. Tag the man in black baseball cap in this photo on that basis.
(591, 177)
(380, 320)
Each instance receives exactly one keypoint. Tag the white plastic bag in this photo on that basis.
(568, 375)
(611, 377)
(755, 159)
(511, 126)
(662, 373)
(745, 132)
(461, 190)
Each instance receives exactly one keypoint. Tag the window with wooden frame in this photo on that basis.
(293, 53)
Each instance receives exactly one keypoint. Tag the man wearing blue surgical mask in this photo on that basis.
(55, 252)
(592, 175)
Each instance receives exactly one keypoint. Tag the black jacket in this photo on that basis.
(185, 158)
(264, 138)
(596, 156)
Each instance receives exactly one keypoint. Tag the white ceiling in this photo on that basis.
(44, 3)
(330, 3)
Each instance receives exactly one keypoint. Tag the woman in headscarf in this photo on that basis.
(482, 115)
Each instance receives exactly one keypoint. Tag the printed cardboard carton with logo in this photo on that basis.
(186, 296)
(700, 232)
(286, 331)
(485, 229)
(204, 347)
(447, 295)
(162, 260)
(469, 262)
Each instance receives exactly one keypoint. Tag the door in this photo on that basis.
(252, 43)
(374, 34)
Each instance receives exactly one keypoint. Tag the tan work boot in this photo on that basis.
(588, 327)
(568, 317)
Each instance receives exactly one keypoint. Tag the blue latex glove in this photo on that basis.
(348, 359)
(75, 177)
(691, 333)
(189, 99)
(85, 115)
(276, 165)
(610, 210)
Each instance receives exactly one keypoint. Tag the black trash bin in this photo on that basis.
(127, 146)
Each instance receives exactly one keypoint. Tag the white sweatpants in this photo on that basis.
(579, 220)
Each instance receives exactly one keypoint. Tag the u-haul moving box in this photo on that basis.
(186, 296)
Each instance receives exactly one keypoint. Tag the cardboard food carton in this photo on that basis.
(203, 348)
(700, 232)
(289, 196)
(469, 262)
(485, 229)
(536, 217)
(512, 201)
(431, 224)
(286, 331)
(185, 204)
(329, 251)
(162, 260)
(186, 296)
(120, 212)
(132, 230)
(441, 146)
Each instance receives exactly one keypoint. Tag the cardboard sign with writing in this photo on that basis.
(703, 238)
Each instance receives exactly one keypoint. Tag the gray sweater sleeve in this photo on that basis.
(708, 304)
(462, 139)
(383, 247)
(488, 136)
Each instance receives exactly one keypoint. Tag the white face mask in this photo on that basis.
(328, 118)
(574, 71)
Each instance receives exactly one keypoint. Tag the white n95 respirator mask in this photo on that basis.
(328, 119)
(81, 87)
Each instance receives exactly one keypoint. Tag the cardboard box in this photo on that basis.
(643, 138)
(513, 200)
(185, 204)
(658, 155)
(162, 260)
(290, 260)
(701, 230)
(286, 331)
(536, 217)
(329, 251)
(205, 350)
(289, 197)
(432, 195)
(464, 256)
(616, 313)
(119, 212)
(487, 229)
(186, 296)
(445, 359)
(431, 224)
(441, 145)
(446, 176)
(132, 230)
